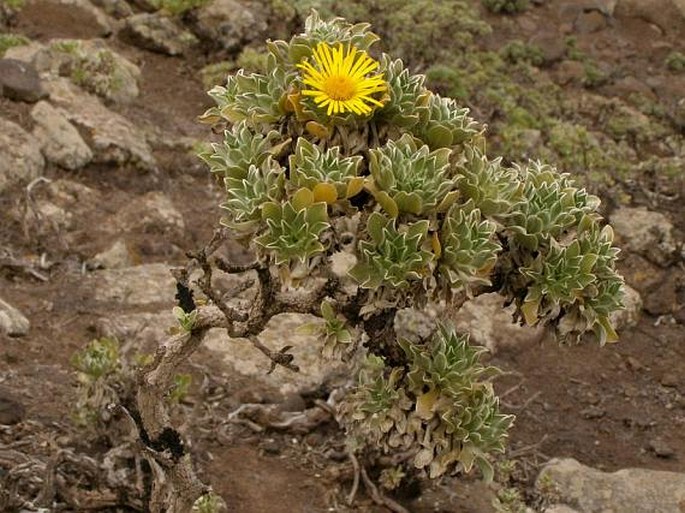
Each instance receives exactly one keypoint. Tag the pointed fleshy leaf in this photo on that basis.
(325, 192)
(302, 199)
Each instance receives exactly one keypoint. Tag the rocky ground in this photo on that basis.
(100, 194)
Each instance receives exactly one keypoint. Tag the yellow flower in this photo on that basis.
(339, 80)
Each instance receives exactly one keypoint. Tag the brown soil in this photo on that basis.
(606, 407)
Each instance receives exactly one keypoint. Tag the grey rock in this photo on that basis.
(570, 72)
(669, 15)
(117, 8)
(34, 53)
(415, 324)
(20, 158)
(68, 193)
(490, 324)
(670, 380)
(552, 45)
(58, 205)
(560, 508)
(113, 139)
(61, 143)
(158, 33)
(242, 357)
(152, 212)
(12, 321)
(590, 21)
(52, 216)
(229, 24)
(11, 410)
(117, 256)
(141, 285)
(20, 81)
(645, 232)
(630, 315)
(94, 66)
(143, 330)
(625, 491)
(100, 19)
(660, 448)
(663, 300)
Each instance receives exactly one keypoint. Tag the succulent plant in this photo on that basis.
(444, 124)
(549, 205)
(345, 170)
(377, 405)
(293, 228)
(455, 416)
(492, 188)
(326, 173)
(392, 257)
(576, 284)
(241, 148)
(338, 337)
(258, 99)
(467, 247)
(246, 195)
(408, 96)
(406, 177)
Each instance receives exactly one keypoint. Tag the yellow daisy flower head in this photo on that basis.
(339, 79)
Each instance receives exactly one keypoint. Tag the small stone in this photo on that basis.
(12, 321)
(20, 158)
(271, 446)
(552, 45)
(646, 232)
(158, 33)
(117, 8)
(570, 72)
(593, 412)
(589, 22)
(630, 315)
(20, 81)
(661, 448)
(560, 508)
(670, 380)
(292, 402)
(664, 299)
(11, 410)
(634, 364)
(118, 255)
(60, 141)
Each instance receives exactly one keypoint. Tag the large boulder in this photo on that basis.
(243, 358)
(60, 142)
(645, 232)
(113, 138)
(153, 212)
(20, 158)
(158, 33)
(20, 81)
(229, 24)
(88, 63)
(12, 321)
(630, 490)
(668, 15)
(141, 285)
